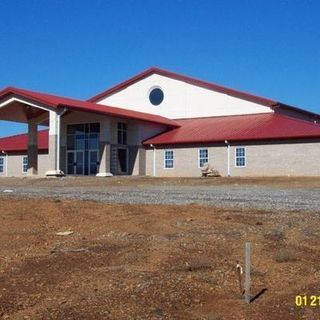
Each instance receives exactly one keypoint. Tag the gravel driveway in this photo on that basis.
(241, 196)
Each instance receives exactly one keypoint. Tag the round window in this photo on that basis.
(156, 96)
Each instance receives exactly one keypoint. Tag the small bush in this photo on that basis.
(198, 263)
(285, 255)
(275, 235)
(310, 232)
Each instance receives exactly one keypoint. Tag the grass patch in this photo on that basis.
(275, 235)
(285, 255)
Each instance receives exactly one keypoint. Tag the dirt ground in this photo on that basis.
(152, 261)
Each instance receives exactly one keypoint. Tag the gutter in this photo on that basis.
(154, 159)
(58, 125)
(6, 164)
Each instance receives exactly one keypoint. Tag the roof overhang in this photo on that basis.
(19, 109)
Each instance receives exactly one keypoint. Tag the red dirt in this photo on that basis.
(152, 262)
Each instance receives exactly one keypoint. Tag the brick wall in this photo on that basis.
(295, 158)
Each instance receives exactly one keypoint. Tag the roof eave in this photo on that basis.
(200, 142)
(9, 91)
(287, 106)
(170, 123)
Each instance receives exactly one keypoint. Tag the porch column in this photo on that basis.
(54, 145)
(142, 161)
(32, 148)
(104, 167)
(104, 148)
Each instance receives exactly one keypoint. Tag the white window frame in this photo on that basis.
(165, 159)
(240, 157)
(24, 172)
(4, 164)
(199, 157)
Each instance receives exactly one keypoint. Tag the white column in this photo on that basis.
(104, 149)
(54, 145)
(104, 166)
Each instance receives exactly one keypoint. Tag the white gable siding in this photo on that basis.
(181, 100)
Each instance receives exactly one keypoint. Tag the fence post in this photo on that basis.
(247, 282)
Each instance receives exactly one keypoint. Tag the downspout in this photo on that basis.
(154, 159)
(7, 158)
(228, 152)
(3, 152)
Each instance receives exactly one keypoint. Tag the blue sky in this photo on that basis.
(78, 48)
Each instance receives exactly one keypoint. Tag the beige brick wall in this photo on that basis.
(286, 159)
(265, 159)
(14, 165)
(186, 161)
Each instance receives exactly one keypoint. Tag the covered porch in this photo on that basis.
(19, 109)
(44, 111)
(109, 138)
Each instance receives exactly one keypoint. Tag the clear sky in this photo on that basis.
(78, 48)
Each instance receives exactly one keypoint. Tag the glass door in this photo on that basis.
(122, 160)
(75, 162)
(83, 148)
(70, 162)
(93, 162)
(79, 162)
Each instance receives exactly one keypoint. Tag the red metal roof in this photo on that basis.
(73, 104)
(205, 130)
(267, 126)
(19, 143)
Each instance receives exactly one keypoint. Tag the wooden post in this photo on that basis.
(247, 282)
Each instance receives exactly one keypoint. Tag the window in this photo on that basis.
(203, 157)
(2, 165)
(156, 96)
(168, 159)
(122, 133)
(240, 157)
(25, 164)
(82, 148)
(83, 136)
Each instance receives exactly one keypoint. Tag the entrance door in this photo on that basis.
(75, 162)
(93, 162)
(70, 162)
(79, 162)
(122, 160)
